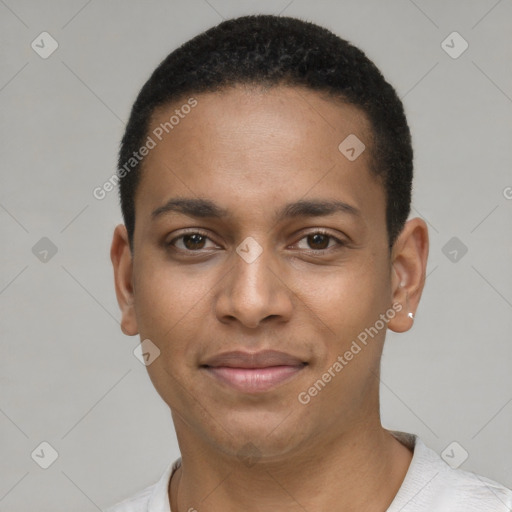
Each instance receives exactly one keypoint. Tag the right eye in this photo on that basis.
(192, 241)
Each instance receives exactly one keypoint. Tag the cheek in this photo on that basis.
(170, 311)
(168, 301)
(346, 298)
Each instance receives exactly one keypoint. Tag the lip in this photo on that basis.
(253, 372)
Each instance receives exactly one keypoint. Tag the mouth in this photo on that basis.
(253, 372)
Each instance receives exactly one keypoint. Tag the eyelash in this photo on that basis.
(339, 242)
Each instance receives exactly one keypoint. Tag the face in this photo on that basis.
(260, 258)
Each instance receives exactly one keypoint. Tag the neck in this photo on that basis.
(361, 469)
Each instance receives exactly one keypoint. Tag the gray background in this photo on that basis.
(68, 375)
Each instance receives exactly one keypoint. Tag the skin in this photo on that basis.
(252, 151)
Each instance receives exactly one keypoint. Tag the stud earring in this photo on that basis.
(410, 314)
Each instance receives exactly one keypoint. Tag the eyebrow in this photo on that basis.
(205, 208)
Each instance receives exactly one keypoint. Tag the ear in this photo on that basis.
(408, 266)
(121, 257)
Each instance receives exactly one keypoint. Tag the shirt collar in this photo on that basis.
(159, 500)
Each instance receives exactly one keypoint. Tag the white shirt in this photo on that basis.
(430, 485)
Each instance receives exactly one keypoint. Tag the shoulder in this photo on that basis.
(431, 484)
(469, 492)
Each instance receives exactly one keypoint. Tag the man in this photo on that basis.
(265, 181)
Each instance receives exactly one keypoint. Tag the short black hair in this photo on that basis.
(272, 50)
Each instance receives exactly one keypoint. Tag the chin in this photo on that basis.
(259, 435)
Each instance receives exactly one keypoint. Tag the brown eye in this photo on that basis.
(318, 241)
(192, 242)
(195, 241)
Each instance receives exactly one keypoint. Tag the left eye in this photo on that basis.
(319, 241)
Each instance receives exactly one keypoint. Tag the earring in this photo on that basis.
(410, 314)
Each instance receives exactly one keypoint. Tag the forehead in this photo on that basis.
(247, 148)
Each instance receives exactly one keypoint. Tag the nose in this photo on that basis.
(254, 292)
